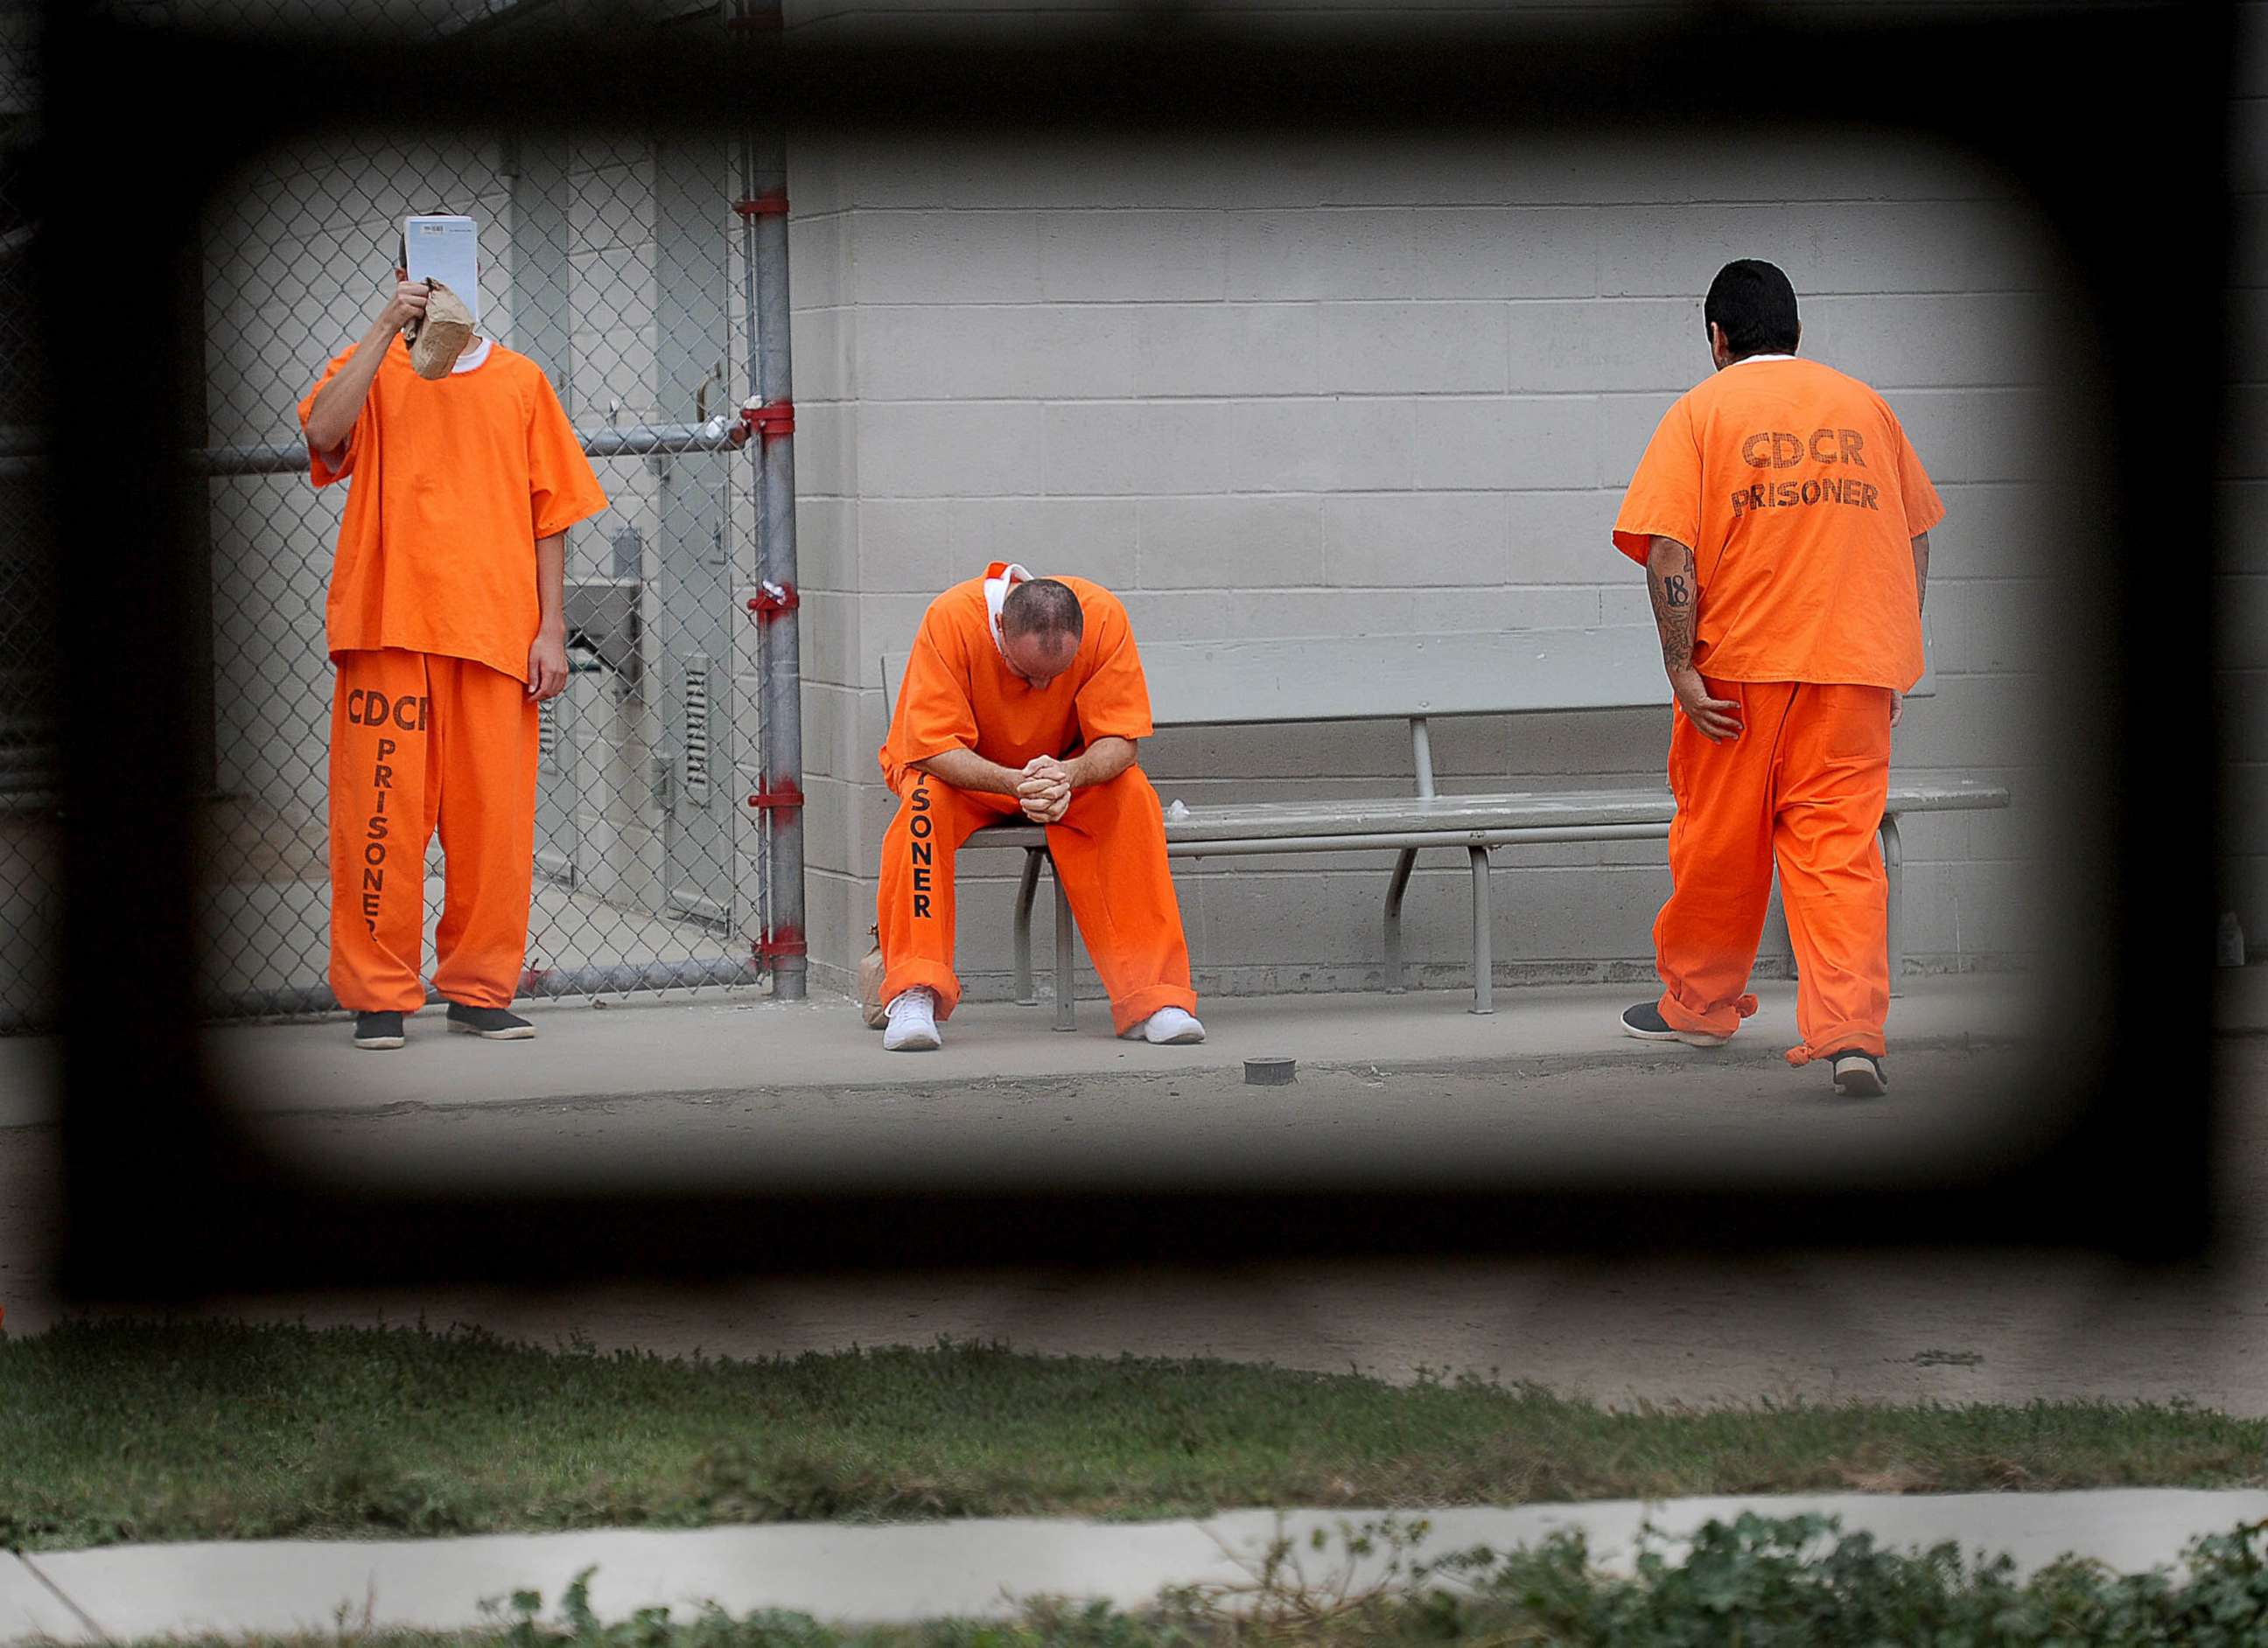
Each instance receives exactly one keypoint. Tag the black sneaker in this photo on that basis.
(490, 1024)
(1645, 1021)
(379, 1032)
(1860, 1075)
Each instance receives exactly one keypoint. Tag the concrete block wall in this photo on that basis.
(1319, 386)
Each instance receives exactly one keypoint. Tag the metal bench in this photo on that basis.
(1417, 679)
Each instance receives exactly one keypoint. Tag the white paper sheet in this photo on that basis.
(446, 249)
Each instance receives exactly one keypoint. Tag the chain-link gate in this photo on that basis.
(621, 266)
(610, 266)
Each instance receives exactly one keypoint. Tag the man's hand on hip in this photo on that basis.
(546, 666)
(1716, 719)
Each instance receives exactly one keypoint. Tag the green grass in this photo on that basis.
(112, 1432)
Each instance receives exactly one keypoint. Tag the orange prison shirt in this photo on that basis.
(451, 483)
(1800, 496)
(959, 693)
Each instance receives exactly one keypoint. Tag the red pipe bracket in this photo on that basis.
(772, 205)
(784, 799)
(771, 419)
(774, 598)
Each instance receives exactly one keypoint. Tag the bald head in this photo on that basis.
(1042, 606)
(1041, 626)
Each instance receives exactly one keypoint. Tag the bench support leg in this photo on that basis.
(1027, 892)
(1395, 983)
(1066, 1014)
(1483, 961)
(1893, 864)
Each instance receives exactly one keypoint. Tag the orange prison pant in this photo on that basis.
(1110, 851)
(1804, 783)
(418, 738)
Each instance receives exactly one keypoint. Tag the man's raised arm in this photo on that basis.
(331, 420)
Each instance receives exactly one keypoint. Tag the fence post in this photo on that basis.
(764, 215)
(196, 616)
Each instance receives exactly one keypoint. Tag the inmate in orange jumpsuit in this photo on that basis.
(1109, 847)
(432, 609)
(1798, 493)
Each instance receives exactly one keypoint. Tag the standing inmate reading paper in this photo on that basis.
(446, 622)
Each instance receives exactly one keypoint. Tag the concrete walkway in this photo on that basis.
(927, 1571)
(718, 1041)
(672, 1092)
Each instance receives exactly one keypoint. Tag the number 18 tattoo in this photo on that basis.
(1670, 581)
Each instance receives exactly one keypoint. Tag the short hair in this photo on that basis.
(1042, 606)
(1755, 304)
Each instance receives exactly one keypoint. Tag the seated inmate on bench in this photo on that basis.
(1417, 679)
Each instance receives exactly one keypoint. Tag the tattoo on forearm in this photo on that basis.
(1670, 582)
(1676, 637)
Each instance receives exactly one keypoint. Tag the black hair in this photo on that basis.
(1755, 306)
(1042, 606)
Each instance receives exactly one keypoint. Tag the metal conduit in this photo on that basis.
(1448, 839)
(763, 176)
(19, 453)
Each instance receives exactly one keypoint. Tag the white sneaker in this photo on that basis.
(913, 1023)
(1171, 1026)
(1860, 1075)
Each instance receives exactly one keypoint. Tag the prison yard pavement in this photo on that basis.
(738, 1042)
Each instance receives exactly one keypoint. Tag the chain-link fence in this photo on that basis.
(618, 263)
